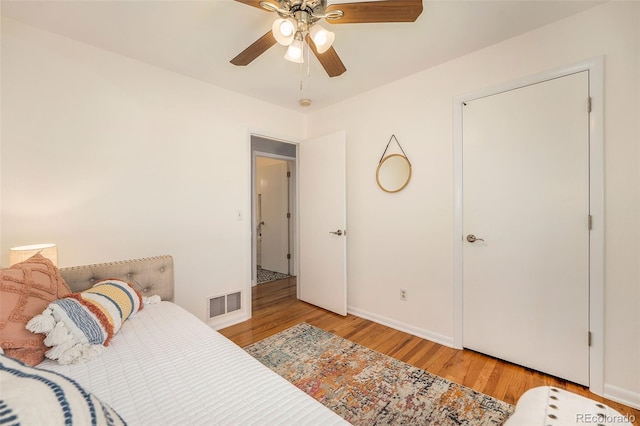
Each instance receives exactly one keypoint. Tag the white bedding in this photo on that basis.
(166, 367)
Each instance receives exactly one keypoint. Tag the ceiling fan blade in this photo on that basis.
(377, 11)
(329, 60)
(258, 47)
(254, 3)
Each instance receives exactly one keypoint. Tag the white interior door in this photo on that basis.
(526, 200)
(322, 274)
(273, 187)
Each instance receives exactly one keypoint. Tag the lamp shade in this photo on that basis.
(284, 30)
(294, 52)
(322, 38)
(22, 253)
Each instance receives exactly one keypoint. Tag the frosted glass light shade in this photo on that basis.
(322, 38)
(294, 52)
(284, 30)
(22, 253)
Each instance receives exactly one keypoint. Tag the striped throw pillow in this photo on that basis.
(31, 396)
(79, 326)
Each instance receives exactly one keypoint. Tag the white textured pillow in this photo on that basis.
(32, 396)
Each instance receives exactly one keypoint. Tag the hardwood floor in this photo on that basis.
(275, 308)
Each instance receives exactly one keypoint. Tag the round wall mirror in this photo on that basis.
(394, 172)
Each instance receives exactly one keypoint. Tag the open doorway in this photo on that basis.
(273, 210)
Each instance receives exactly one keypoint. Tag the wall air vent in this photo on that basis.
(224, 304)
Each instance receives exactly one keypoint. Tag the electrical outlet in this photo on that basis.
(403, 294)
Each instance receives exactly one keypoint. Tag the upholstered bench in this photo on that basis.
(551, 406)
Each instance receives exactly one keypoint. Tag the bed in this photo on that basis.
(166, 367)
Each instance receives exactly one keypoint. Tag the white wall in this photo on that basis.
(111, 159)
(0, 126)
(638, 123)
(406, 239)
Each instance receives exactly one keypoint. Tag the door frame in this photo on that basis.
(595, 67)
(249, 206)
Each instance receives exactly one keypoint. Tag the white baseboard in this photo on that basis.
(228, 320)
(407, 328)
(623, 396)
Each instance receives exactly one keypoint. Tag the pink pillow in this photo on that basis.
(26, 289)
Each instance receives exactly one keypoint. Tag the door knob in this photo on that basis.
(472, 238)
(338, 232)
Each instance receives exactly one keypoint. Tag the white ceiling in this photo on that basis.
(198, 38)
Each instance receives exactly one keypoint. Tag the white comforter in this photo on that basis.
(166, 367)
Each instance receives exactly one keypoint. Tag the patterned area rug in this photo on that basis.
(366, 387)
(265, 275)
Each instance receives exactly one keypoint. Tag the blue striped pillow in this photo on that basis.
(32, 396)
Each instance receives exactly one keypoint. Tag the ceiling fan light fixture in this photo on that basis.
(322, 38)
(305, 14)
(284, 30)
(294, 52)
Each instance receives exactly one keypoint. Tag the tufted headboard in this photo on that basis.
(150, 275)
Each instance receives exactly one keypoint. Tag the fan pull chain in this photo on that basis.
(301, 69)
(305, 80)
(308, 60)
(308, 49)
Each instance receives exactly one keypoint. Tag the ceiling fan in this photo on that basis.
(298, 23)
